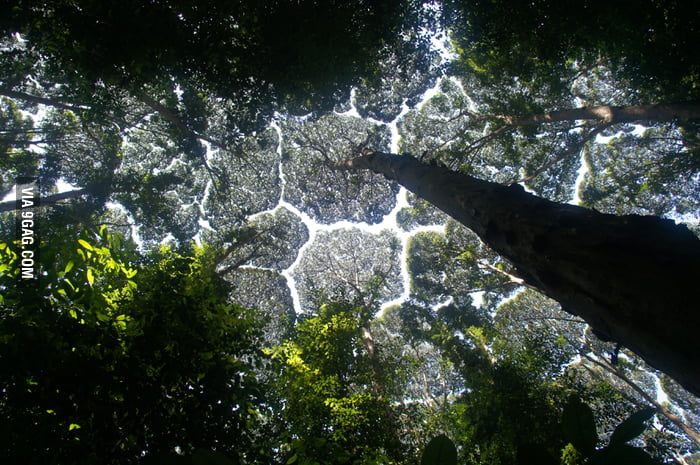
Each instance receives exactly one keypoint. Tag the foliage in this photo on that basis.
(198, 457)
(439, 451)
(300, 54)
(651, 174)
(332, 391)
(504, 404)
(453, 267)
(166, 108)
(649, 42)
(579, 426)
(129, 355)
(268, 293)
(322, 193)
(349, 264)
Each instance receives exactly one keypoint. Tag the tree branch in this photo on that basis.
(50, 200)
(573, 150)
(13, 94)
(602, 363)
(615, 114)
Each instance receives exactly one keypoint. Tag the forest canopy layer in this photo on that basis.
(213, 284)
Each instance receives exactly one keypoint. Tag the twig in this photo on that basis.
(575, 149)
(691, 433)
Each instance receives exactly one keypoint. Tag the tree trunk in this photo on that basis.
(633, 278)
(390, 424)
(40, 100)
(610, 114)
(50, 200)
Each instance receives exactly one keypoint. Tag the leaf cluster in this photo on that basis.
(128, 356)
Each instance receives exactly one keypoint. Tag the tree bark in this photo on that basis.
(40, 100)
(611, 114)
(48, 200)
(633, 278)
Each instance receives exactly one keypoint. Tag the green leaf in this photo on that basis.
(122, 321)
(535, 454)
(69, 266)
(90, 276)
(579, 426)
(129, 272)
(85, 244)
(632, 426)
(439, 451)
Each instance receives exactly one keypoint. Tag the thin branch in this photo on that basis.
(691, 433)
(554, 318)
(479, 143)
(573, 150)
(487, 288)
(117, 225)
(13, 94)
(513, 278)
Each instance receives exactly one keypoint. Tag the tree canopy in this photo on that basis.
(227, 270)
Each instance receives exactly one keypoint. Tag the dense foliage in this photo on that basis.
(210, 290)
(111, 354)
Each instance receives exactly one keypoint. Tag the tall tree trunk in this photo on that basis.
(389, 421)
(49, 200)
(634, 279)
(611, 114)
(40, 100)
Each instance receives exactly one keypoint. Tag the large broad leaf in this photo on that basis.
(622, 455)
(631, 427)
(85, 244)
(579, 426)
(535, 454)
(440, 451)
